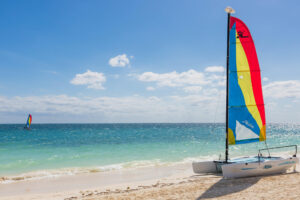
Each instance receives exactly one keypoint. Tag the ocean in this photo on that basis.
(60, 149)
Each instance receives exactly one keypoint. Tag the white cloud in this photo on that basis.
(190, 81)
(174, 79)
(116, 76)
(75, 105)
(214, 69)
(282, 89)
(206, 106)
(93, 80)
(150, 88)
(213, 92)
(203, 102)
(63, 108)
(192, 89)
(154, 99)
(216, 79)
(265, 78)
(119, 61)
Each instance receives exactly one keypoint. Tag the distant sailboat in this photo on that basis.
(29, 120)
(245, 111)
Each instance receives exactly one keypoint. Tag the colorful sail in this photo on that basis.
(29, 120)
(246, 110)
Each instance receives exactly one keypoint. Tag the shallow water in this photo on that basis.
(55, 149)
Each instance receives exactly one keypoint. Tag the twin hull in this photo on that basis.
(247, 169)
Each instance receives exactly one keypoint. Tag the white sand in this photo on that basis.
(64, 186)
(279, 187)
(164, 182)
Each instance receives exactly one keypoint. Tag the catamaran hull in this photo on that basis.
(238, 170)
(246, 169)
(204, 167)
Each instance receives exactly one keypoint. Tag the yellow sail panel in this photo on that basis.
(246, 120)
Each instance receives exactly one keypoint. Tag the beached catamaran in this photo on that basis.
(28, 123)
(245, 112)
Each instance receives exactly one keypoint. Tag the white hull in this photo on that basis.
(238, 170)
(204, 167)
(247, 169)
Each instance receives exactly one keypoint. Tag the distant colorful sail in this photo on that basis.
(29, 120)
(246, 105)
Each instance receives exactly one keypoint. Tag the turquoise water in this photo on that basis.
(71, 148)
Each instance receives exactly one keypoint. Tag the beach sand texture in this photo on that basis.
(168, 182)
(271, 187)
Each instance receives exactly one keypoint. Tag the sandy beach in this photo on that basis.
(160, 182)
(271, 187)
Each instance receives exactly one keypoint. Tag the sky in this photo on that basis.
(71, 61)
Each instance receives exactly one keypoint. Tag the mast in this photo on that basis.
(229, 10)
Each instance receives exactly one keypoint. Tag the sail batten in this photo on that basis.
(246, 120)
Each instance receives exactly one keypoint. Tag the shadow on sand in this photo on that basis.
(228, 186)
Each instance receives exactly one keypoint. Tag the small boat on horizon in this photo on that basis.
(245, 111)
(28, 123)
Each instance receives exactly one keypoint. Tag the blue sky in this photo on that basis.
(139, 61)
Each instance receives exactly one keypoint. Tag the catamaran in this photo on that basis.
(28, 123)
(245, 112)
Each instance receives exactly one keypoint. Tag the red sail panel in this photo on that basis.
(249, 48)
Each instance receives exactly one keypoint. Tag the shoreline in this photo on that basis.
(160, 182)
(74, 171)
(66, 185)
